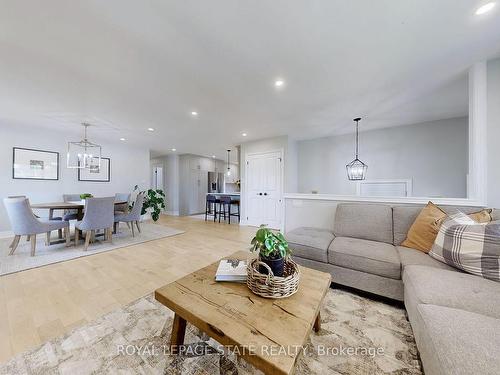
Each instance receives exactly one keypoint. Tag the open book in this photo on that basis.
(232, 270)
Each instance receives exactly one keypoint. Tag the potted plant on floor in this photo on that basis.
(154, 202)
(273, 249)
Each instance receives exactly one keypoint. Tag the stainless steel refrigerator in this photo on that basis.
(215, 182)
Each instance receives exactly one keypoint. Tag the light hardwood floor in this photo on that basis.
(39, 304)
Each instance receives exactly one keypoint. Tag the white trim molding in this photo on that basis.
(407, 182)
(397, 200)
(478, 137)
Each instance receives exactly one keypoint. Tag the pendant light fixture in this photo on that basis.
(356, 169)
(228, 166)
(84, 154)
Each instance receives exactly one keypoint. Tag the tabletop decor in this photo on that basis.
(272, 247)
(30, 164)
(273, 274)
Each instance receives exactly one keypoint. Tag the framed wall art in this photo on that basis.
(32, 164)
(96, 173)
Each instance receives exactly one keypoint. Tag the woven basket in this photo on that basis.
(270, 286)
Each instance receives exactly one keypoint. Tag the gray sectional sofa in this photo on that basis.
(455, 316)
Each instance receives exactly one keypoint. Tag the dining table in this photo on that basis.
(79, 206)
(70, 205)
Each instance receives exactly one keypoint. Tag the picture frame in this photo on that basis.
(34, 164)
(103, 174)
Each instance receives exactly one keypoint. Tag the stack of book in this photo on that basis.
(234, 270)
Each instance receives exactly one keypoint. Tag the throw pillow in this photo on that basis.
(483, 216)
(469, 246)
(424, 229)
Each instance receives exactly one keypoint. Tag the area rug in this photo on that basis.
(21, 259)
(130, 341)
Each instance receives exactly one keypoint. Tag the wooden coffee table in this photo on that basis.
(266, 332)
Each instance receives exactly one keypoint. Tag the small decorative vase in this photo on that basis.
(277, 266)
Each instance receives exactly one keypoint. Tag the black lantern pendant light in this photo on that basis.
(356, 169)
(228, 166)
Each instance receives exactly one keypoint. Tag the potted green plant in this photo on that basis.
(85, 196)
(154, 202)
(273, 248)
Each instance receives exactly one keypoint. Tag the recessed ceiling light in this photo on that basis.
(174, 149)
(244, 134)
(122, 139)
(485, 8)
(279, 83)
(151, 129)
(194, 113)
(213, 156)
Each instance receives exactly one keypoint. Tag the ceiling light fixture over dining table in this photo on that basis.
(84, 154)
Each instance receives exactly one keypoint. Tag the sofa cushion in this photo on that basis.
(366, 221)
(373, 257)
(495, 214)
(425, 228)
(414, 257)
(455, 342)
(429, 285)
(469, 246)
(405, 215)
(310, 243)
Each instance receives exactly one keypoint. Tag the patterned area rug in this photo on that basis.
(22, 260)
(358, 336)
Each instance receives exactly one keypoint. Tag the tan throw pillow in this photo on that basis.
(424, 229)
(483, 216)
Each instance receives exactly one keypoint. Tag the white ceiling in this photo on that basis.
(129, 65)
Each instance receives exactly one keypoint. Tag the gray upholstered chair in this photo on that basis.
(133, 217)
(24, 223)
(70, 214)
(99, 214)
(121, 209)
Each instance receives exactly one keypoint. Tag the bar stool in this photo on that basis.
(227, 202)
(212, 201)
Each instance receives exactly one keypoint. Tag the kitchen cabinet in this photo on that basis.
(198, 190)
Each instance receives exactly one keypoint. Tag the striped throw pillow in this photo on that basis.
(469, 246)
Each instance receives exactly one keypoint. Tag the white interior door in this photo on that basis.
(264, 182)
(158, 178)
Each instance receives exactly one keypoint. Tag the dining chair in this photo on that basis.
(38, 217)
(70, 214)
(24, 223)
(133, 217)
(122, 197)
(99, 214)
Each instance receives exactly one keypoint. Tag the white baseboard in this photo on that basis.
(172, 213)
(6, 234)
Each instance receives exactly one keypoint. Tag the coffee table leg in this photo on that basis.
(178, 333)
(317, 323)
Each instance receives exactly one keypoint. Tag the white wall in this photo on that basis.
(493, 171)
(129, 167)
(434, 155)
